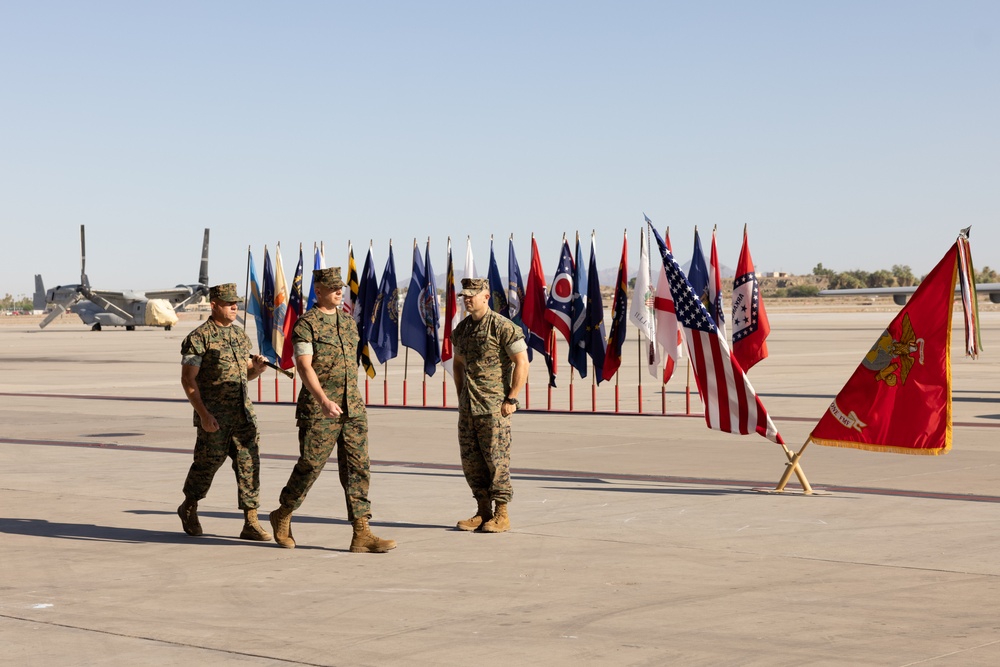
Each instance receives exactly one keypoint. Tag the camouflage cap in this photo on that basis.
(328, 277)
(473, 286)
(224, 292)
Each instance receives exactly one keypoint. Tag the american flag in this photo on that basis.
(731, 404)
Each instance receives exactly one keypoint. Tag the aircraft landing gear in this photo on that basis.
(96, 327)
(129, 327)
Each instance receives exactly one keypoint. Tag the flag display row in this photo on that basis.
(571, 306)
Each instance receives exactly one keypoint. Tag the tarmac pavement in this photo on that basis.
(636, 539)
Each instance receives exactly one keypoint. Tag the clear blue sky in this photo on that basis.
(856, 134)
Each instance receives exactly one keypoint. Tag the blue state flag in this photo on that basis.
(413, 333)
(515, 293)
(594, 326)
(317, 265)
(365, 312)
(498, 295)
(698, 271)
(431, 314)
(267, 298)
(264, 345)
(385, 327)
(578, 316)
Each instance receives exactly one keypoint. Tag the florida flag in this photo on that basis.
(668, 330)
(731, 404)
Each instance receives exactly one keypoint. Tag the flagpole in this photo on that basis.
(551, 346)
(246, 300)
(687, 390)
(593, 388)
(638, 340)
(571, 388)
(246, 293)
(617, 377)
(406, 370)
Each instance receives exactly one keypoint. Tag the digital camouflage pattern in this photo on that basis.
(484, 445)
(236, 441)
(334, 340)
(222, 355)
(488, 367)
(483, 432)
(316, 443)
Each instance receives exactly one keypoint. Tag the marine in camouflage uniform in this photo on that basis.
(491, 367)
(329, 414)
(215, 368)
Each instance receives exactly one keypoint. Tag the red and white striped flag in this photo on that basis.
(731, 404)
(668, 331)
(451, 316)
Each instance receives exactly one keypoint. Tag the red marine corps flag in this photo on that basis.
(899, 398)
(750, 326)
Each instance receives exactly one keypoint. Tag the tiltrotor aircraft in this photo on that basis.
(123, 308)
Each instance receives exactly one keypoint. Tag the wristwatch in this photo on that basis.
(512, 401)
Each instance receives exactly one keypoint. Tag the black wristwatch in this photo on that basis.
(512, 401)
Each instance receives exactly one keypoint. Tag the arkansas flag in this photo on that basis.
(750, 326)
(899, 398)
(731, 404)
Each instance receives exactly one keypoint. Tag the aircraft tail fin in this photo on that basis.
(38, 298)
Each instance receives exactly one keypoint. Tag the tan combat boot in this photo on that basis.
(483, 513)
(500, 523)
(252, 529)
(188, 512)
(281, 524)
(366, 543)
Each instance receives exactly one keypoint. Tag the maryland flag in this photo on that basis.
(899, 398)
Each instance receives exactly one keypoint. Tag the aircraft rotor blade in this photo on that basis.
(203, 271)
(58, 310)
(99, 300)
(83, 258)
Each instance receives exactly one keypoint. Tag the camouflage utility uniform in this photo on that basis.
(332, 340)
(222, 355)
(488, 347)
